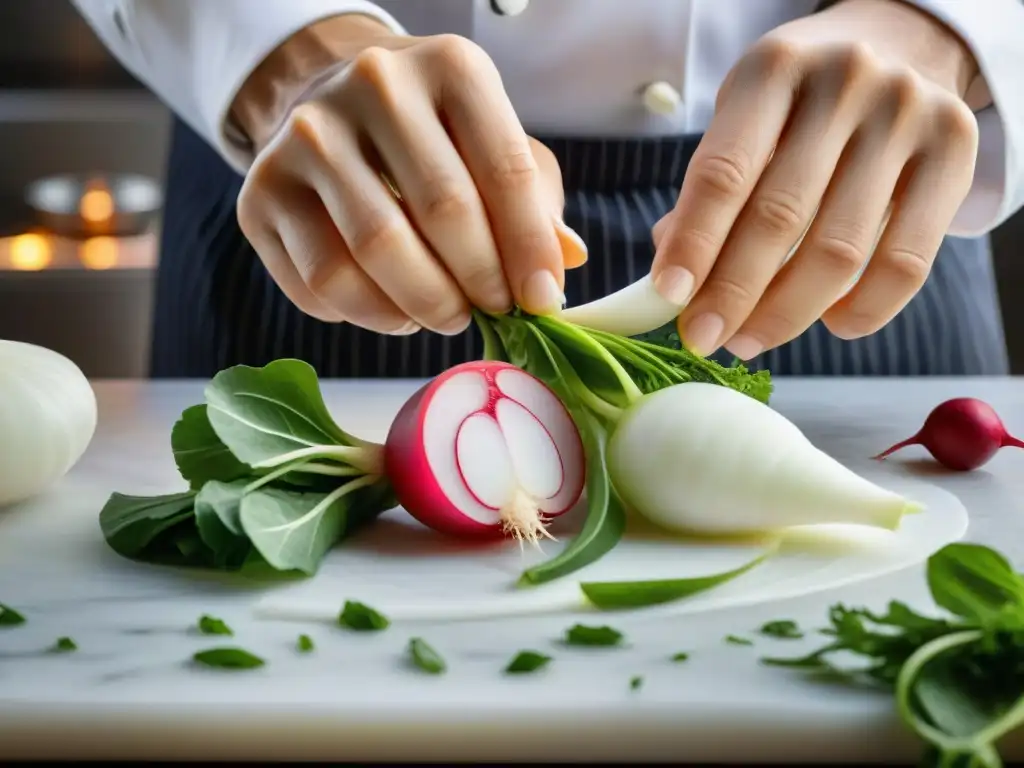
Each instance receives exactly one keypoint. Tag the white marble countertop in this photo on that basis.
(127, 692)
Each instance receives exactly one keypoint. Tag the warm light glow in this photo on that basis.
(99, 253)
(31, 252)
(96, 205)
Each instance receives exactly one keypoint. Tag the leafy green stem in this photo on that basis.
(368, 458)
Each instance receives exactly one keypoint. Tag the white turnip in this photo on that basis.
(703, 458)
(47, 418)
(485, 449)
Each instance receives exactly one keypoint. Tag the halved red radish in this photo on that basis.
(485, 449)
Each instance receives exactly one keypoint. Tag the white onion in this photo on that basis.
(47, 418)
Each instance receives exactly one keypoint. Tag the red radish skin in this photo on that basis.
(485, 450)
(961, 434)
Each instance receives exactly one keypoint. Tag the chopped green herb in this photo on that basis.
(527, 661)
(210, 625)
(737, 640)
(362, 618)
(10, 617)
(228, 658)
(581, 634)
(784, 629)
(425, 657)
(636, 682)
(64, 645)
(304, 643)
(681, 656)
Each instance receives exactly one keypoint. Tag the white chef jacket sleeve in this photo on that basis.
(994, 31)
(196, 54)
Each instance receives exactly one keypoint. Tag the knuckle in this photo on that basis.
(372, 66)
(459, 56)
(904, 92)
(699, 242)
(378, 236)
(306, 127)
(446, 200)
(840, 252)
(774, 57)
(779, 212)
(723, 175)
(957, 124)
(731, 293)
(772, 325)
(513, 170)
(908, 266)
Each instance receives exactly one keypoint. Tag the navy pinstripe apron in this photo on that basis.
(216, 306)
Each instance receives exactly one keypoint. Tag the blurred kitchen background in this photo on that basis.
(68, 109)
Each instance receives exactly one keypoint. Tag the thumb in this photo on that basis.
(574, 250)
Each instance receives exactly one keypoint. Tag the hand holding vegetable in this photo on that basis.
(367, 206)
(827, 121)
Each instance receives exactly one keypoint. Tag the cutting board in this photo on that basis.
(131, 690)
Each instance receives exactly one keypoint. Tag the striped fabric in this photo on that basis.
(216, 306)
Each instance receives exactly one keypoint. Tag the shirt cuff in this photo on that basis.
(992, 29)
(239, 40)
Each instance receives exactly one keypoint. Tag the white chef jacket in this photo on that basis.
(610, 68)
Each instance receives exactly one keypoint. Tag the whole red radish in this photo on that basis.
(484, 450)
(961, 434)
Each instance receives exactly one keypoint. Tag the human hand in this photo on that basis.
(477, 217)
(824, 123)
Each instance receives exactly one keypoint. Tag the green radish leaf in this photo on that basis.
(615, 595)
(10, 617)
(211, 625)
(592, 362)
(636, 683)
(200, 454)
(294, 530)
(362, 618)
(493, 347)
(525, 662)
(219, 520)
(152, 528)
(64, 645)
(680, 657)
(425, 657)
(606, 517)
(737, 640)
(782, 629)
(304, 644)
(228, 658)
(265, 414)
(977, 584)
(581, 634)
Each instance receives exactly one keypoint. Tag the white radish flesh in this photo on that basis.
(485, 449)
(47, 419)
(639, 308)
(703, 458)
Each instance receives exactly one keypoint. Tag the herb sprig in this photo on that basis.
(958, 681)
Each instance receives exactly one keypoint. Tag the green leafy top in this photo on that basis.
(958, 680)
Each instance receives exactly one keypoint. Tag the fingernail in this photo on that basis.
(541, 294)
(455, 327)
(744, 347)
(408, 329)
(675, 284)
(574, 250)
(703, 332)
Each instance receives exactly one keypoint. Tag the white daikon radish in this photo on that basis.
(639, 308)
(703, 458)
(47, 418)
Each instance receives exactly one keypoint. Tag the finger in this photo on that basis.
(257, 223)
(490, 139)
(325, 265)
(435, 185)
(574, 249)
(659, 228)
(832, 253)
(936, 183)
(777, 213)
(373, 225)
(722, 174)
